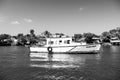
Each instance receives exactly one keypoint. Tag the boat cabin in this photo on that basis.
(58, 41)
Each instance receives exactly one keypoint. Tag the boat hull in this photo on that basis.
(68, 49)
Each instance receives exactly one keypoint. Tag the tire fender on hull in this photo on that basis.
(49, 49)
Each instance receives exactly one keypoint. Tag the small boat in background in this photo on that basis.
(65, 45)
(115, 41)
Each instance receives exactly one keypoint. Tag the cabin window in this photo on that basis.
(73, 39)
(60, 41)
(50, 42)
(65, 42)
(68, 41)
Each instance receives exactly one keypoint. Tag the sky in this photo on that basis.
(59, 16)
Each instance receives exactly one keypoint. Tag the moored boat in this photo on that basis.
(115, 41)
(65, 45)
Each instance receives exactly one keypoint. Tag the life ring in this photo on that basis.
(49, 49)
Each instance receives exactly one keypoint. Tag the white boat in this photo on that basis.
(115, 41)
(65, 45)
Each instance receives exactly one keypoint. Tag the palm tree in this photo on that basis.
(32, 33)
(77, 36)
(89, 37)
(32, 37)
(47, 34)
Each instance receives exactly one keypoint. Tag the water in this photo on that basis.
(17, 63)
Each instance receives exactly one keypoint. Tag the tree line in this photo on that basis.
(21, 39)
(31, 38)
(113, 33)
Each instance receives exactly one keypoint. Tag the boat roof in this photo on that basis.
(63, 37)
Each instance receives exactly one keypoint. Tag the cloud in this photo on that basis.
(28, 20)
(15, 22)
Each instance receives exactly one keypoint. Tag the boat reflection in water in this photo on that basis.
(60, 60)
